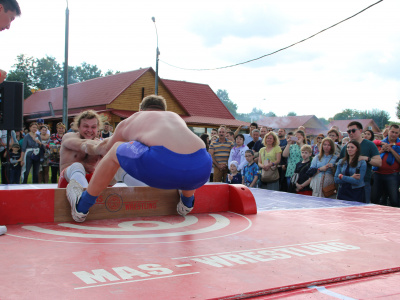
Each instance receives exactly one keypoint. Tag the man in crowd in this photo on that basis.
(255, 134)
(214, 131)
(220, 151)
(263, 132)
(75, 163)
(3, 150)
(369, 153)
(40, 123)
(282, 138)
(247, 136)
(105, 133)
(283, 142)
(172, 158)
(386, 178)
(9, 9)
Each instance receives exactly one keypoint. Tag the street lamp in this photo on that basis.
(157, 55)
(65, 90)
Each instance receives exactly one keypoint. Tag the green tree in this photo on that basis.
(23, 72)
(347, 114)
(87, 71)
(380, 117)
(398, 110)
(324, 121)
(229, 104)
(46, 73)
(291, 114)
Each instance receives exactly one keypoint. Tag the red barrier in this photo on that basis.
(24, 206)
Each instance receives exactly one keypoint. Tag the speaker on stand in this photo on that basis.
(11, 117)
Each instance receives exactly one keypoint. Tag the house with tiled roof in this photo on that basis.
(366, 123)
(312, 124)
(117, 97)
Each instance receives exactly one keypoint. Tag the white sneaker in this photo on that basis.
(3, 230)
(181, 208)
(74, 193)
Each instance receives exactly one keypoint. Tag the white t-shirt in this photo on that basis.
(3, 139)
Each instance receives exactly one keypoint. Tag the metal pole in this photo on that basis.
(157, 57)
(65, 90)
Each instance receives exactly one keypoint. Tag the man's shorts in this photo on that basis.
(62, 182)
(162, 168)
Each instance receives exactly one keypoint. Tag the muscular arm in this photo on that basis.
(237, 130)
(376, 161)
(395, 154)
(286, 151)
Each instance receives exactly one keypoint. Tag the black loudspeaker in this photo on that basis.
(11, 105)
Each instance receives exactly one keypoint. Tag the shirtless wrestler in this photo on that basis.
(154, 146)
(74, 162)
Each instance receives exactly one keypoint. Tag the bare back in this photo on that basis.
(71, 152)
(159, 128)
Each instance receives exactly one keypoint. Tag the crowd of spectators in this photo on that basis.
(34, 153)
(358, 166)
(355, 167)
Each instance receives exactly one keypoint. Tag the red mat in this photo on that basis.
(203, 256)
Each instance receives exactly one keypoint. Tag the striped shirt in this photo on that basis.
(221, 151)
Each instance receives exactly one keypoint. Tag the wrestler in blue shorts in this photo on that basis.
(162, 168)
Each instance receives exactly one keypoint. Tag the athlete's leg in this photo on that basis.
(81, 201)
(121, 175)
(76, 171)
(105, 172)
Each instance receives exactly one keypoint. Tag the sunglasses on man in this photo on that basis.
(351, 130)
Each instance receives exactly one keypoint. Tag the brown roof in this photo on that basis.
(286, 122)
(342, 124)
(214, 121)
(198, 99)
(93, 92)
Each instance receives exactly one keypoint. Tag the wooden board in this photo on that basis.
(121, 202)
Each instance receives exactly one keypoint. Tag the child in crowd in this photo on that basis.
(235, 177)
(15, 164)
(345, 140)
(250, 171)
(304, 179)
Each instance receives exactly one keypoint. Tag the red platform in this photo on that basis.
(293, 253)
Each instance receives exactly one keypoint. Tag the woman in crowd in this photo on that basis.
(293, 153)
(369, 135)
(55, 146)
(350, 174)
(30, 155)
(238, 153)
(206, 140)
(269, 158)
(333, 134)
(317, 146)
(17, 137)
(323, 164)
(44, 155)
(213, 139)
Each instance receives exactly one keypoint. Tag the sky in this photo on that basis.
(354, 65)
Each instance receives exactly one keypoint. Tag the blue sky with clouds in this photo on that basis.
(354, 65)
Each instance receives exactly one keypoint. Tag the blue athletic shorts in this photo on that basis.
(162, 168)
